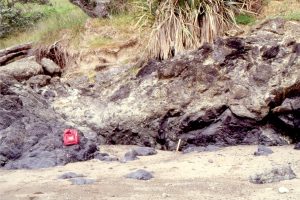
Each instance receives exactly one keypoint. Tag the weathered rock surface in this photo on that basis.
(275, 175)
(93, 8)
(81, 181)
(140, 175)
(31, 132)
(69, 175)
(238, 90)
(263, 151)
(50, 67)
(22, 69)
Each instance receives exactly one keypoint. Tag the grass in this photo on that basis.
(295, 16)
(245, 19)
(60, 17)
(110, 32)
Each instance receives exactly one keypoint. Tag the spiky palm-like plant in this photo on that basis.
(180, 25)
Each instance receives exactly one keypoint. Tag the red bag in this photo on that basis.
(71, 137)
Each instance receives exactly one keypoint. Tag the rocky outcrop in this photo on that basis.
(239, 90)
(31, 132)
(93, 8)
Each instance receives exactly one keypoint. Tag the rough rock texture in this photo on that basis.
(22, 69)
(31, 132)
(130, 156)
(145, 151)
(239, 90)
(50, 67)
(263, 151)
(275, 175)
(93, 8)
(140, 175)
(69, 175)
(81, 181)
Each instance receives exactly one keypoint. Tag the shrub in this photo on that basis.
(14, 19)
(179, 25)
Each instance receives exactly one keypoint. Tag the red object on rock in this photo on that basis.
(71, 137)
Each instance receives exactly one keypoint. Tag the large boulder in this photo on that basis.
(22, 69)
(225, 93)
(31, 132)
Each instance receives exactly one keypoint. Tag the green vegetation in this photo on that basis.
(57, 17)
(295, 16)
(186, 24)
(172, 26)
(244, 19)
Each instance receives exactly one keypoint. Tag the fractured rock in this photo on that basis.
(274, 175)
(31, 132)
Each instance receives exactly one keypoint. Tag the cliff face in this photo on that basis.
(239, 90)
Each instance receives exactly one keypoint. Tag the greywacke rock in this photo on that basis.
(274, 175)
(234, 91)
(140, 175)
(31, 132)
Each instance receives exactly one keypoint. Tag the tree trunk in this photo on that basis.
(8, 54)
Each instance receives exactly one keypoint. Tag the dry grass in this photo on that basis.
(288, 9)
(181, 25)
(56, 52)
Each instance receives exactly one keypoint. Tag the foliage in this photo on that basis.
(59, 16)
(13, 18)
(244, 19)
(179, 25)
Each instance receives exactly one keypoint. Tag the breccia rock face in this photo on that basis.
(31, 132)
(239, 90)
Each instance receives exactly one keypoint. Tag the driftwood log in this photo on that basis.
(11, 53)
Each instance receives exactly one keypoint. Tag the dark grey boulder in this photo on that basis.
(263, 151)
(130, 155)
(106, 157)
(81, 181)
(70, 175)
(274, 175)
(145, 151)
(140, 175)
(297, 146)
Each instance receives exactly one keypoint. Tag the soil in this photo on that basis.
(222, 174)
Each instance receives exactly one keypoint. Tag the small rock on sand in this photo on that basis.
(81, 181)
(69, 175)
(283, 190)
(274, 175)
(140, 175)
(263, 151)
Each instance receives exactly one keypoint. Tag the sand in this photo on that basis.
(207, 175)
